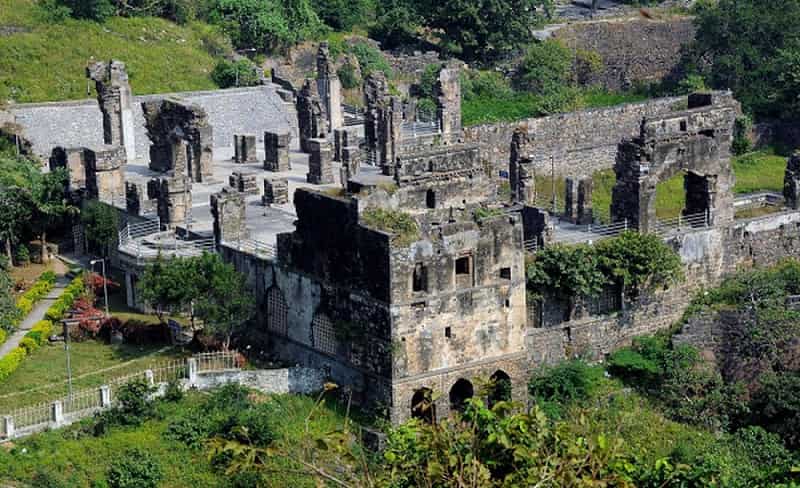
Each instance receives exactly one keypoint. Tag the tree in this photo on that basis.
(482, 30)
(227, 304)
(751, 47)
(9, 313)
(15, 212)
(344, 15)
(50, 203)
(169, 285)
(102, 224)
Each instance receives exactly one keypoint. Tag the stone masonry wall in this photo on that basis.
(580, 142)
(80, 123)
(632, 50)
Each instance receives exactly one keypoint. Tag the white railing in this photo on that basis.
(531, 245)
(252, 246)
(140, 229)
(167, 244)
(413, 130)
(352, 116)
(591, 233)
(85, 402)
(682, 223)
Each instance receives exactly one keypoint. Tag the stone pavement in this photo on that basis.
(36, 315)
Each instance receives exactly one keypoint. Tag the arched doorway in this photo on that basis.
(499, 388)
(461, 391)
(422, 406)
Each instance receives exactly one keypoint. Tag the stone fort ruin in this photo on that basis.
(382, 249)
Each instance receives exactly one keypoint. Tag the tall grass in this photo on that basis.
(44, 61)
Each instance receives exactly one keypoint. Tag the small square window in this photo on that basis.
(683, 125)
(505, 273)
(448, 332)
(462, 266)
(419, 280)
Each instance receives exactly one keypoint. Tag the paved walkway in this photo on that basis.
(36, 315)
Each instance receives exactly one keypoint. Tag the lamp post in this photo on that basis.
(105, 287)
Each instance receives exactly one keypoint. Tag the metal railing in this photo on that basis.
(591, 233)
(208, 362)
(252, 246)
(414, 130)
(84, 402)
(531, 245)
(352, 115)
(140, 229)
(682, 223)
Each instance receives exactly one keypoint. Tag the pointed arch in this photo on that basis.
(323, 335)
(277, 311)
(461, 391)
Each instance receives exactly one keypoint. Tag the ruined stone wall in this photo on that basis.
(632, 50)
(579, 142)
(458, 302)
(252, 110)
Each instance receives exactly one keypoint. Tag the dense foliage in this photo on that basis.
(229, 74)
(753, 48)
(205, 287)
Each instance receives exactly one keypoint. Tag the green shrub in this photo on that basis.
(567, 382)
(347, 75)
(229, 74)
(24, 305)
(741, 130)
(229, 398)
(3, 335)
(11, 361)
(546, 67)
(22, 256)
(48, 276)
(190, 430)
(370, 59)
(173, 391)
(640, 364)
(135, 468)
(29, 344)
(259, 420)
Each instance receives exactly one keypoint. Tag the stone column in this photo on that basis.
(276, 191)
(310, 120)
(585, 215)
(244, 182)
(228, 208)
(105, 396)
(104, 174)
(244, 147)
(73, 159)
(329, 87)
(376, 89)
(791, 182)
(448, 101)
(115, 97)
(276, 151)
(571, 200)
(173, 198)
(320, 167)
(57, 412)
(389, 134)
(191, 367)
(8, 426)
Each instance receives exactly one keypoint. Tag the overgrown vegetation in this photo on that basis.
(402, 225)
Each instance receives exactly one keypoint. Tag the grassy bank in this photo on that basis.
(43, 61)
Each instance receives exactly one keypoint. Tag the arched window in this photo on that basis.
(430, 199)
(323, 334)
(422, 406)
(499, 388)
(461, 391)
(277, 311)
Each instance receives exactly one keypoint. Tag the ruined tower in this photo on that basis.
(329, 87)
(115, 98)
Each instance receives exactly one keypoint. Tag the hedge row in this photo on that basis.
(42, 329)
(39, 290)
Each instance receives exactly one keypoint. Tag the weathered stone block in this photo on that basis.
(276, 191)
(244, 148)
(276, 151)
(320, 167)
(244, 182)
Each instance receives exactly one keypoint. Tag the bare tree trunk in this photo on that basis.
(43, 251)
(8, 252)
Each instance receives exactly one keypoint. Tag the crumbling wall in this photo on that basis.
(228, 210)
(576, 143)
(181, 136)
(632, 50)
(115, 98)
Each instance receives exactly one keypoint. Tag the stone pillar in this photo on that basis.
(571, 200)
(104, 174)
(276, 191)
(244, 182)
(173, 198)
(537, 228)
(320, 167)
(8, 426)
(585, 216)
(329, 87)
(389, 134)
(276, 151)
(244, 147)
(191, 367)
(105, 396)
(57, 412)
(114, 97)
(376, 89)
(310, 120)
(791, 182)
(136, 201)
(74, 160)
(448, 88)
(228, 208)
(149, 377)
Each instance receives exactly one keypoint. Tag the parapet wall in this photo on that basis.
(632, 50)
(251, 110)
(579, 142)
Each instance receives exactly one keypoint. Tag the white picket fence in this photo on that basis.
(85, 402)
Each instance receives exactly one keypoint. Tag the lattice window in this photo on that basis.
(277, 311)
(323, 334)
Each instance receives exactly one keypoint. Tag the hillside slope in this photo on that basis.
(43, 60)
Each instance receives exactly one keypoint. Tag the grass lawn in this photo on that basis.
(43, 61)
(82, 461)
(759, 171)
(42, 376)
